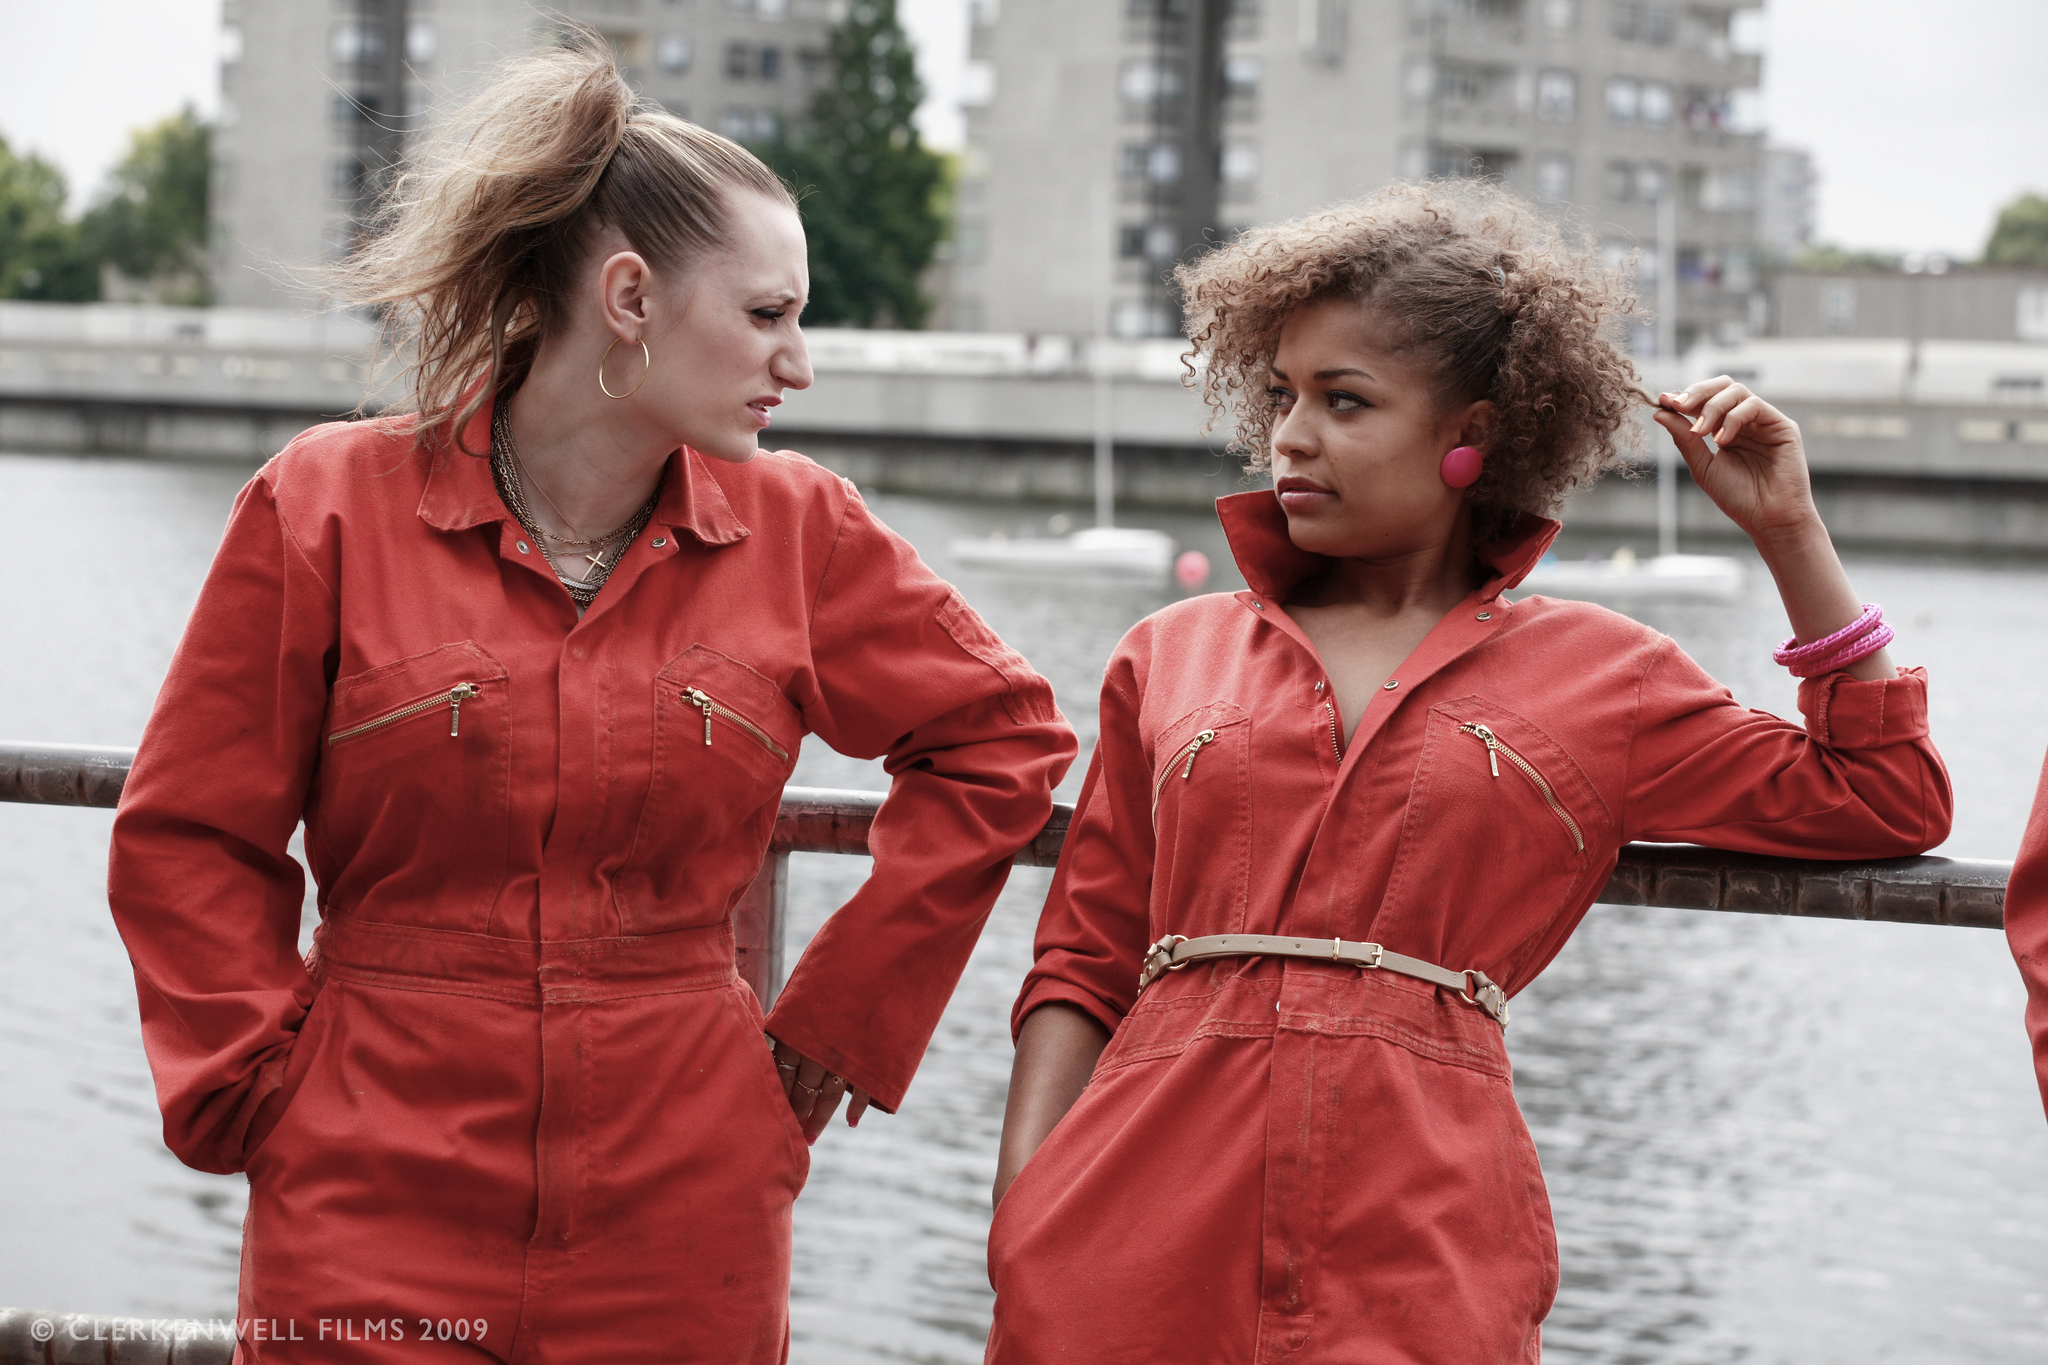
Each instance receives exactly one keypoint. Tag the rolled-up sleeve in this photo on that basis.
(973, 743)
(1860, 778)
(203, 891)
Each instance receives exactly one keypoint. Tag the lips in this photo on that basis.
(760, 406)
(1299, 494)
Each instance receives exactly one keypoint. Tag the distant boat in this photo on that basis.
(1099, 551)
(1622, 580)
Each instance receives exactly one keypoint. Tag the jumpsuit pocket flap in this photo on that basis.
(730, 693)
(1489, 744)
(364, 700)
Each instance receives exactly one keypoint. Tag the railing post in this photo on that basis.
(758, 924)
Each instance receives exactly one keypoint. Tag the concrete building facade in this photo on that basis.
(1112, 137)
(319, 97)
(1968, 303)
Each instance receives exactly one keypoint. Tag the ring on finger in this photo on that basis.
(810, 1089)
(785, 1066)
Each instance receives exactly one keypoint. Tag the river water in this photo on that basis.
(1767, 1140)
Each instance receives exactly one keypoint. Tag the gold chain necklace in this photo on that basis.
(505, 472)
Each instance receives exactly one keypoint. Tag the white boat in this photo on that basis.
(1129, 552)
(1622, 580)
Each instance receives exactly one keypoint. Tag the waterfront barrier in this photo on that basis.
(1951, 891)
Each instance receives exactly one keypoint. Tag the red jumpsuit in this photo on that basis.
(518, 1083)
(2026, 926)
(1286, 1160)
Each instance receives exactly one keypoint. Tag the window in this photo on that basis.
(1162, 243)
(1158, 163)
(230, 44)
(672, 53)
(1557, 96)
(749, 125)
(1130, 241)
(346, 177)
(1240, 162)
(1241, 78)
(977, 81)
(2032, 321)
(1738, 271)
(970, 241)
(1838, 305)
(1642, 22)
(739, 62)
(1146, 79)
(1133, 319)
(1728, 189)
(771, 9)
(1560, 15)
(1621, 181)
(421, 41)
(353, 40)
(1653, 178)
(1705, 109)
(1655, 105)
(1554, 178)
(771, 63)
(1624, 100)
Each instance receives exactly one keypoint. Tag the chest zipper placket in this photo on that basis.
(452, 699)
(1336, 744)
(1193, 747)
(1496, 750)
(700, 699)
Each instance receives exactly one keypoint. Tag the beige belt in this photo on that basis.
(1174, 952)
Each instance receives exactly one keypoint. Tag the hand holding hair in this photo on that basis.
(1755, 471)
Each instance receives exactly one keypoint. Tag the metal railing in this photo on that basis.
(1965, 892)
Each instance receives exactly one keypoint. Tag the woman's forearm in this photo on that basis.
(1056, 1053)
(1816, 592)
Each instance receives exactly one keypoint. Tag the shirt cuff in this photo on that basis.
(1047, 990)
(1845, 713)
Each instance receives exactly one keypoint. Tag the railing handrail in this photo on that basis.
(1958, 891)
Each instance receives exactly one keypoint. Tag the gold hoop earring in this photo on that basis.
(646, 363)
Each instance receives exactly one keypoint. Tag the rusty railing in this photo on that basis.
(1956, 891)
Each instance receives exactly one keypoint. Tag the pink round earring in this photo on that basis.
(1461, 467)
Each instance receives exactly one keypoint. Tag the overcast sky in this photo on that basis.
(1923, 118)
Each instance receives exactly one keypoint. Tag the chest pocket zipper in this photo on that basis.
(698, 698)
(452, 699)
(1497, 750)
(1187, 767)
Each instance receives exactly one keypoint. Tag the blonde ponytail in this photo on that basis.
(473, 253)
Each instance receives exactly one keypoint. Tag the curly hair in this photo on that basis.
(1495, 299)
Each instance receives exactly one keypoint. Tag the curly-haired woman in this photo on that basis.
(1261, 1109)
(533, 664)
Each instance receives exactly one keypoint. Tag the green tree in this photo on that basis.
(150, 220)
(2020, 237)
(39, 250)
(872, 193)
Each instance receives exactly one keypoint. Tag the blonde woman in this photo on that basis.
(532, 665)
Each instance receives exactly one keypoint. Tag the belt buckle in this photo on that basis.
(1159, 958)
(1487, 996)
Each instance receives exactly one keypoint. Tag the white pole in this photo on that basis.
(1667, 365)
(1101, 244)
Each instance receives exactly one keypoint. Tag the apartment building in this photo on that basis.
(1109, 138)
(318, 99)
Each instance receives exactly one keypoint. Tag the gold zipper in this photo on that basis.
(1336, 745)
(697, 697)
(1193, 747)
(452, 699)
(1495, 749)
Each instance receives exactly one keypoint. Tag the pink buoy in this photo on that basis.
(1191, 570)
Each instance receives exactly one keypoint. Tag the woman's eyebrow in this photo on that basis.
(1339, 374)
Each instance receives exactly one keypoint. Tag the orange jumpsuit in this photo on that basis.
(517, 1094)
(1286, 1160)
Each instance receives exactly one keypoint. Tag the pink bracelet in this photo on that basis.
(1861, 638)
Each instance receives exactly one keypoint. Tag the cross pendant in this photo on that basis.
(596, 563)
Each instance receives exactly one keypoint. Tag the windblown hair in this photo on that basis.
(475, 250)
(1495, 300)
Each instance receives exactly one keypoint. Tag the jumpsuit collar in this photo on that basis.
(1272, 564)
(460, 492)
